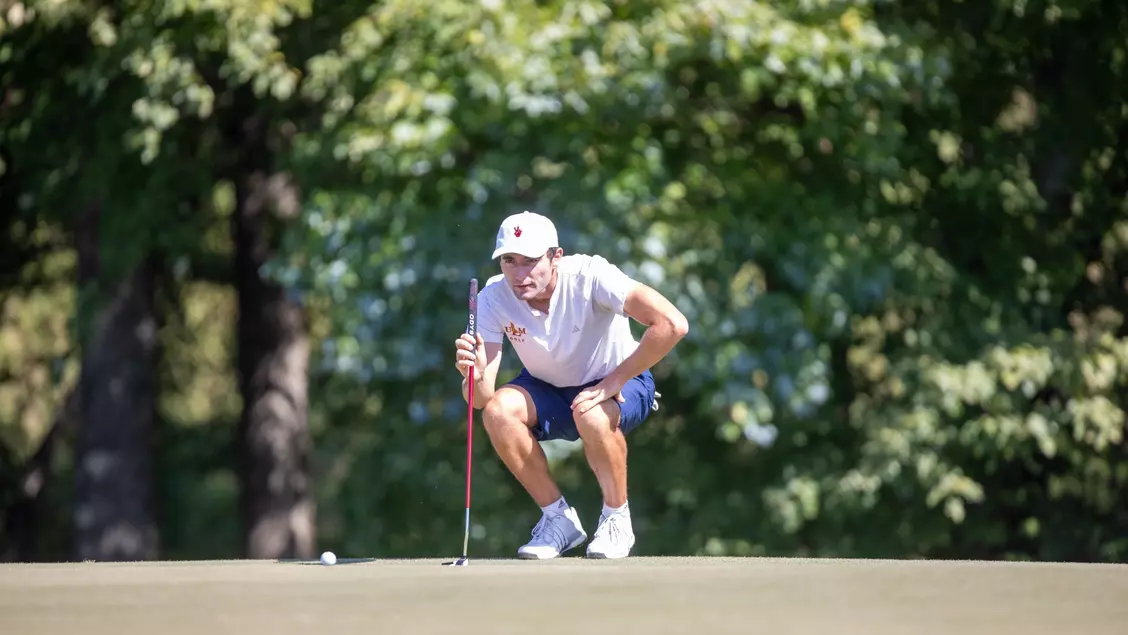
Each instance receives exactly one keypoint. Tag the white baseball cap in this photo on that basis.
(527, 234)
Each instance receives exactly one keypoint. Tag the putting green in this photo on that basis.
(698, 596)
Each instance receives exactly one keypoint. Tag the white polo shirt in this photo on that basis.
(585, 333)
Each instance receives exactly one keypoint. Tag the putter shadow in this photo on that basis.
(340, 561)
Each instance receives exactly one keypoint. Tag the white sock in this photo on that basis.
(558, 507)
(625, 510)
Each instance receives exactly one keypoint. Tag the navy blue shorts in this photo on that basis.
(554, 405)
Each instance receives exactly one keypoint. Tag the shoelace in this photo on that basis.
(556, 535)
(611, 529)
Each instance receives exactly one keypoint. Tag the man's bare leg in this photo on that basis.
(505, 419)
(606, 449)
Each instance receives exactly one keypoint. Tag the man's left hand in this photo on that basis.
(597, 394)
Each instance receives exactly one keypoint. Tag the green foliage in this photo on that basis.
(895, 228)
(795, 179)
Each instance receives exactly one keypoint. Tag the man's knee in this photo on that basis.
(601, 419)
(508, 407)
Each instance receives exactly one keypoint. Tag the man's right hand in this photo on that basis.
(468, 355)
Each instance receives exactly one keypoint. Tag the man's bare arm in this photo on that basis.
(665, 327)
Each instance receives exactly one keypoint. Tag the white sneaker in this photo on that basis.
(613, 538)
(553, 535)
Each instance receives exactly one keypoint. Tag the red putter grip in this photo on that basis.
(471, 326)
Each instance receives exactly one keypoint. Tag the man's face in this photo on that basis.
(529, 277)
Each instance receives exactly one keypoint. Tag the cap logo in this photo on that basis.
(517, 232)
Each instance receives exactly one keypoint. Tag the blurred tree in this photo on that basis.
(38, 400)
(171, 88)
(113, 514)
(117, 319)
(273, 435)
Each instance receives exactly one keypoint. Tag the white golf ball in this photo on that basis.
(328, 558)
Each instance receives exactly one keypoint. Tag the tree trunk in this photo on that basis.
(23, 519)
(113, 506)
(273, 437)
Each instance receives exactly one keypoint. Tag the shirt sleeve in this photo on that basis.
(488, 324)
(610, 285)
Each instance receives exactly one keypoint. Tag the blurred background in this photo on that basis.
(238, 235)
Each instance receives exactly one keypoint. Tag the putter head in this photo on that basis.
(461, 562)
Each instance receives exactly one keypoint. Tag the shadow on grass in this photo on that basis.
(448, 562)
(339, 562)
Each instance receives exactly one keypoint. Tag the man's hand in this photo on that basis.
(467, 356)
(485, 358)
(597, 394)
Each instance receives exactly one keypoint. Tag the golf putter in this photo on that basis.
(471, 329)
